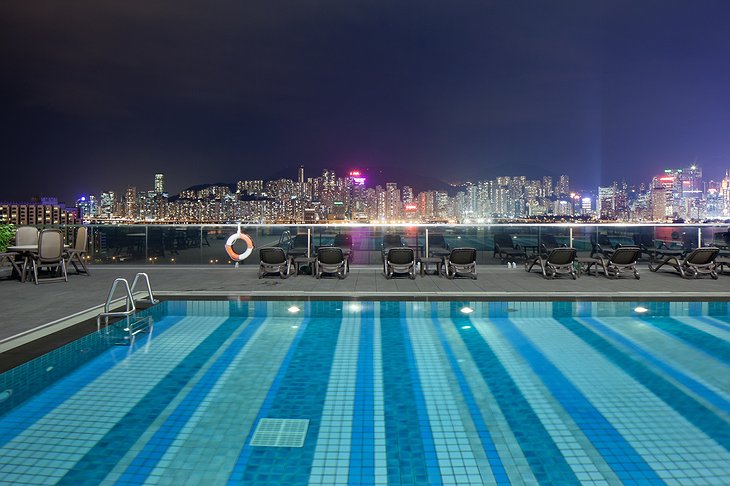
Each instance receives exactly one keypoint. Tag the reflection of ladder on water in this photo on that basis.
(132, 325)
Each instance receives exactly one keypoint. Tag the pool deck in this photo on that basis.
(26, 306)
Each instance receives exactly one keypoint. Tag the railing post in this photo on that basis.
(425, 244)
(699, 237)
(571, 236)
(309, 241)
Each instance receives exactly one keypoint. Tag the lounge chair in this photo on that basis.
(548, 242)
(400, 260)
(698, 262)
(601, 245)
(390, 240)
(437, 246)
(274, 260)
(560, 261)
(330, 260)
(461, 261)
(505, 249)
(50, 255)
(623, 258)
(344, 241)
(78, 252)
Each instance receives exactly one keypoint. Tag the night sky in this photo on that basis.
(98, 95)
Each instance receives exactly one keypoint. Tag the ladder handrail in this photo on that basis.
(130, 306)
(146, 279)
(130, 299)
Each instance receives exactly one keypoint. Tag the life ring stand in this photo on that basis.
(229, 246)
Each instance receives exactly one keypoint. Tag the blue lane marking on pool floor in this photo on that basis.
(246, 450)
(686, 405)
(705, 342)
(146, 460)
(696, 387)
(498, 470)
(362, 448)
(424, 425)
(543, 455)
(101, 459)
(628, 465)
(25, 415)
(405, 451)
(300, 394)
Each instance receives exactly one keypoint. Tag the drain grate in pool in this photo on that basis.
(280, 433)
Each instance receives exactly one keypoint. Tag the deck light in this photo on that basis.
(466, 310)
(640, 310)
(293, 309)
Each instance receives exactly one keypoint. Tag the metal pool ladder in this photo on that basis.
(133, 326)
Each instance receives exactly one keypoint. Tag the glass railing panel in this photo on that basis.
(119, 244)
(205, 244)
(718, 236)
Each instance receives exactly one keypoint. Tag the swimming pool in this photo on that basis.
(380, 392)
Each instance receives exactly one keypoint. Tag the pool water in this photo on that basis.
(381, 393)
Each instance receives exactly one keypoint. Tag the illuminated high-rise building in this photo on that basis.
(159, 183)
(108, 204)
(563, 186)
(393, 202)
(130, 203)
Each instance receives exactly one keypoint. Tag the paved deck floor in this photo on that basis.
(26, 306)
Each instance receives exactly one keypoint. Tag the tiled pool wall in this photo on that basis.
(443, 309)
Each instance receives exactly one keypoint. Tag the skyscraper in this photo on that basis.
(159, 183)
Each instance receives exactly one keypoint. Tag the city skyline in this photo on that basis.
(675, 194)
(97, 93)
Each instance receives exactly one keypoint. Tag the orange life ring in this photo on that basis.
(229, 246)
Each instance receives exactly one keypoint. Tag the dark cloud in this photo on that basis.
(213, 91)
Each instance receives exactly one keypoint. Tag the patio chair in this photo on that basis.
(400, 260)
(75, 256)
(505, 248)
(461, 261)
(15, 267)
(274, 260)
(50, 255)
(26, 235)
(623, 258)
(330, 260)
(700, 261)
(560, 261)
